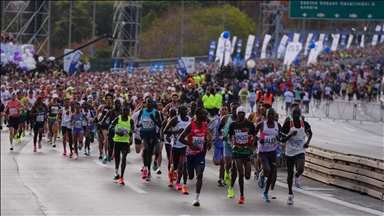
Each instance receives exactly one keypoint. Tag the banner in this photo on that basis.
(350, 38)
(227, 52)
(281, 48)
(239, 44)
(188, 64)
(326, 38)
(233, 42)
(212, 48)
(312, 59)
(290, 38)
(248, 49)
(273, 48)
(321, 37)
(75, 64)
(296, 37)
(267, 38)
(256, 47)
(309, 38)
(67, 59)
(376, 36)
(382, 36)
(182, 67)
(362, 38)
(302, 37)
(357, 41)
(220, 51)
(342, 43)
(293, 49)
(335, 41)
(131, 67)
(314, 38)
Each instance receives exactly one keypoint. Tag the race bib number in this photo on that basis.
(296, 143)
(78, 124)
(198, 141)
(148, 123)
(13, 111)
(241, 138)
(270, 140)
(40, 118)
(54, 110)
(123, 130)
(99, 116)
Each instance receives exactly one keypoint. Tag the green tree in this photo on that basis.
(162, 38)
(104, 16)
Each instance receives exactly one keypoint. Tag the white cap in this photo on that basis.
(241, 109)
(55, 96)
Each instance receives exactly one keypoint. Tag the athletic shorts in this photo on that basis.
(243, 157)
(291, 161)
(137, 139)
(13, 122)
(150, 141)
(193, 161)
(51, 121)
(218, 153)
(228, 151)
(22, 119)
(268, 157)
(64, 130)
(38, 125)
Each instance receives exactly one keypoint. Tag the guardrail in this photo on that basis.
(361, 174)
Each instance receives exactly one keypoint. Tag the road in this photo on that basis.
(47, 183)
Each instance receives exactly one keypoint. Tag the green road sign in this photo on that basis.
(337, 10)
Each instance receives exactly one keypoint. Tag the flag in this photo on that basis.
(131, 67)
(256, 47)
(161, 67)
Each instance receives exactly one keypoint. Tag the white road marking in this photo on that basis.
(332, 199)
(350, 129)
(128, 183)
(344, 141)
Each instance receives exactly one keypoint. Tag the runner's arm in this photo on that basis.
(184, 134)
(172, 123)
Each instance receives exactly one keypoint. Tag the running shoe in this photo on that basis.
(158, 171)
(241, 200)
(290, 199)
(298, 181)
(105, 160)
(227, 178)
(220, 183)
(170, 175)
(50, 142)
(142, 168)
(256, 175)
(65, 152)
(58, 136)
(266, 197)
(196, 202)
(80, 146)
(155, 166)
(18, 140)
(116, 176)
(148, 179)
(15, 136)
(100, 156)
(109, 159)
(178, 186)
(34, 149)
(70, 155)
(89, 153)
(231, 194)
(170, 184)
(121, 181)
(271, 196)
(144, 174)
(39, 145)
(11, 148)
(54, 145)
(184, 190)
(23, 133)
(85, 151)
(261, 181)
(76, 156)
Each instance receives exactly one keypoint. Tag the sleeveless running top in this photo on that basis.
(125, 127)
(269, 135)
(65, 118)
(13, 109)
(180, 125)
(225, 130)
(197, 137)
(148, 127)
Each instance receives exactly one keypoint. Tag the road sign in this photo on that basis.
(337, 10)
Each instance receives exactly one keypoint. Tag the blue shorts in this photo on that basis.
(194, 161)
(291, 161)
(268, 157)
(218, 153)
(227, 151)
(51, 121)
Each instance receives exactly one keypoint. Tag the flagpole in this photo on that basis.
(182, 29)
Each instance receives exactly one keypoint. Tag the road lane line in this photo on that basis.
(331, 199)
(350, 129)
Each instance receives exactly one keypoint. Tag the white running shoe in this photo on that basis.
(290, 199)
(75, 156)
(298, 181)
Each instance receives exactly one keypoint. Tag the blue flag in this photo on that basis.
(161, 67)
(131, 67)
(114, 66)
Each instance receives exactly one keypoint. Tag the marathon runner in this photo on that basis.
(256, 159)
(40, 111)
(173, 104)
(159, 145)
(53, 110)
(168, 141)
(12, 109)
(298, 134)
(63, 117)
(23, 115)
(76, 121)
(196, 132)
(89, 133)
(193, 108)
(30, 101)
(242, 137)
(102, 130)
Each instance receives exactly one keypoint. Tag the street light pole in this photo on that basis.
(182, 29)
(224, 16)
(70, 25)
(93, 28)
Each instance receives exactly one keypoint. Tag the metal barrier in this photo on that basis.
(362, 174)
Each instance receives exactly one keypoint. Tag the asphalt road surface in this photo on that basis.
(47, 183)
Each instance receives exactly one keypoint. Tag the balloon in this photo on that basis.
(27, 51)
(19, 58)
(24, 56)
(2, 51)
(2, 55)
(10, 58)
(297, 60)
(51, 58)
(16, 53)
(327, 49)
(33, 52)
(312, 45)
(251, 64)
(226, 35)
(24, 68)
(40, 58)
(10, 44)
(30, 55)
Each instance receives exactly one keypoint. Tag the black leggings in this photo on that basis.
(168, 148)
(111, 143)
(149, 144)
(123, 148)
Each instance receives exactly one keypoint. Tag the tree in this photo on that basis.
(162, 38)
(104, 16)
